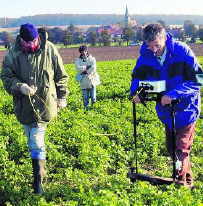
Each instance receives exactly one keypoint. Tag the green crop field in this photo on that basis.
(89, 154)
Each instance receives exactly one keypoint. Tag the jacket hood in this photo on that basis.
(169, 44)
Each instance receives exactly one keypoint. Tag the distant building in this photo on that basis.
(114, 30)
(127, 20)
(2, 42)
(127, 17)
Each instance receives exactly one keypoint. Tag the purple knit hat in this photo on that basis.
(28, 32)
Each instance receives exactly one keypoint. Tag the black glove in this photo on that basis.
(84, 72)
(88, 66)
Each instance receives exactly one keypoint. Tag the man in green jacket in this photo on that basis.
(33, 73)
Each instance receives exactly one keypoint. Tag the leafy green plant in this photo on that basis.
(89, 154)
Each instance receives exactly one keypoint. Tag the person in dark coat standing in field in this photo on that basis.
(163, 58)
(33, 73)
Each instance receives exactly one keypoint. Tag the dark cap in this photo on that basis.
(28, 32)
(82, 48)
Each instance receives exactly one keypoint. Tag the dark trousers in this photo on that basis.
(184, 140)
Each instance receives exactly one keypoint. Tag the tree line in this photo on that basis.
(95, 19)
(73, 35)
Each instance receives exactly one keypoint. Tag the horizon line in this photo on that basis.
(101, 14)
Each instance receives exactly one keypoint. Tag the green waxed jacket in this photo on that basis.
(43, 69)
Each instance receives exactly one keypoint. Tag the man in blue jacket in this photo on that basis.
(163, 58)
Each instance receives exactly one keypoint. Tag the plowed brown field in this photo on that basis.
(109, 53)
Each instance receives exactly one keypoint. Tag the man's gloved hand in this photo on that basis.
(165, 100)
(27, 90)
(61, 103)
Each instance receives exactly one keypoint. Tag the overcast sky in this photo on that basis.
(18, 8)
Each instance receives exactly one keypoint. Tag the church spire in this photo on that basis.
(126, 11)
(127, 18)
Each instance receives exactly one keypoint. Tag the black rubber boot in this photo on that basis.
(38, 173)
